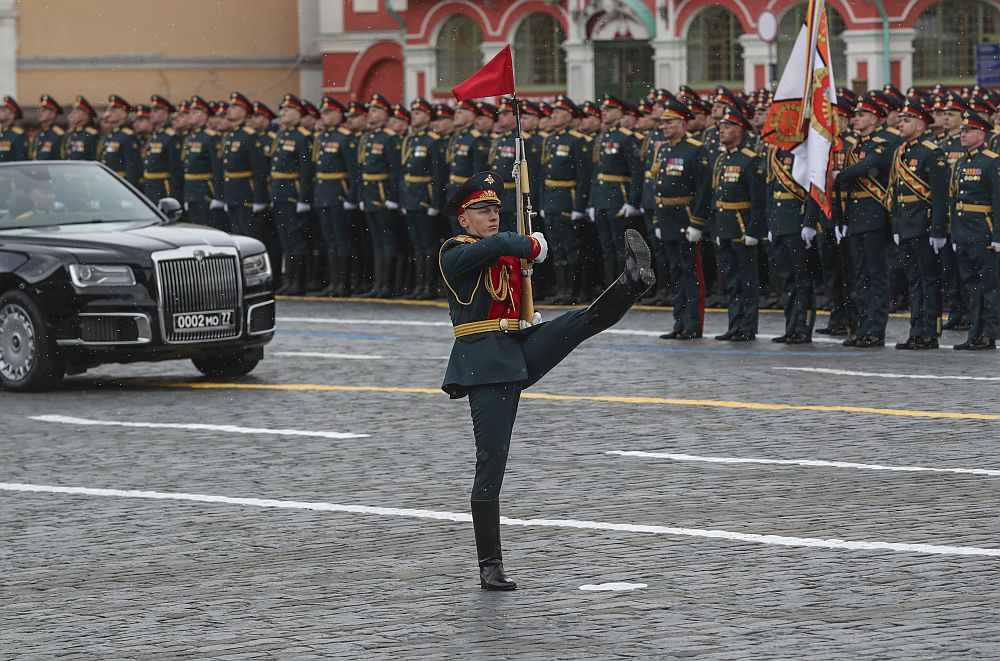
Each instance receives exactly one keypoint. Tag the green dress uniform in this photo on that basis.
(163, 165)
(918, 189)
(202, 176)
(46, 144)
(500, 159)
(292, 182)
(737, 208)
(975, 203)
(80, 144)
(616, 191)
(378, 171)
(119, 150)
(493, 359)
(786, 210)
(954, 293)
(421, 195)
(466, 153)
(335, 155)
(681, 194)
(13, 144)
(647, 202)
(245, 172)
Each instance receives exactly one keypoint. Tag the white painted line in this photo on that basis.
(889, 375)
(352, 356)
(612, 587)
(776, 540)
(231, 429)
(812, 463)
(363, 322)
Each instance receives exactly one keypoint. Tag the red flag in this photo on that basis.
(496, 78)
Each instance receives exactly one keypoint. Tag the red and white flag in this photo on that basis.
(802, 117)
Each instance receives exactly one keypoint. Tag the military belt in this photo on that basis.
(978, 208)
(156, 176)
(561, 183)
(907, 199)
(732, 206)
(120, 173)
(455, 179)
(238, 175)
(327, 176)
(382, 176)
(782, 195)
(487, 326)
(673, 201)
(191, 176)
(648, 174)
(509, 185)
(284, 175)
(618, 178)
(417, 179)
(857, 195)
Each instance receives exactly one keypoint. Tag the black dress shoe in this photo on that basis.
(850, 342)
(799, 338)
(672, 335)
(983, 344)
(956, 324)
(927, 342)
(492, 577)
(725, 337)
(689, 335)
(781, 339)
(743, 337)
(870, 342)
(833, 330)
(911, 344)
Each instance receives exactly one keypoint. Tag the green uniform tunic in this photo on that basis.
(501, 157)
(245, 172)
(202, 175)
(566, 169)
(617, 180)
(421, 188)
(292, 183)
(80, 144)
(335, 155)
(163, 167)
(13, 144)
(378, 170)
(119, 150)
(46, 145)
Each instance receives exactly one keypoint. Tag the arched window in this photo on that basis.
(714, 53)
(459, 52)
(944, 50)
(788, 32)
(539, 60)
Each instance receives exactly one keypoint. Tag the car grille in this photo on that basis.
(211, 283)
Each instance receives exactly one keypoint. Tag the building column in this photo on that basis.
(420, 71)
(865, 59)
(8, 48)
(669, 63)
(757, 55)
(580, 81)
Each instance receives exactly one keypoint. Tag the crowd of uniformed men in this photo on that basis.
(348, 197)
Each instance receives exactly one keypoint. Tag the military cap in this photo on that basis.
(699, 106)
(849, 94)
(891, 90)
(238, 99)
(294, 102)
(420, 103)
(939, 90)
(590, 108)
(662, 95)
(480, 190)
(260, 108)
(506, 105)
(686, 92)
(157, 101)
(844, 106)
(311, 108)
(610, 101)
(531, 108)
(887, 101)
(115, 101)
(379, 101)
(330, 103)
(645, 107)
(677, 110)
(952, 101)
(484, 109)
(972, 120)
(142, 110)
(564, 102)
(466, 104)
(733, 116)
(546, 108)
(84, 105)
(46, 101)
(356, 108)
(184, 106)
(399, 112)
(630, 108)
(220, 107)
(198, 103)
(979, 103)
(442, 110)
(867, 103)
(726, 96)
(916, 108)
(9, 102)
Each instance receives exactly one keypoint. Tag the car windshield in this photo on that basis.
(54, 196)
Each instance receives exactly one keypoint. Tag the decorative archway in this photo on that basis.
(944, 48)
(714, 52)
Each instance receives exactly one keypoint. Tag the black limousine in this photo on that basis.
(92, 272)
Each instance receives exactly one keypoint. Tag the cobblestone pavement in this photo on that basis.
(346, 534)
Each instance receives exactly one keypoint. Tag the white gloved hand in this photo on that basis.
(658, 233)
(693, 234)
(954, 247)
(995, 246)
(544, 252)
(535, 320)
(749, 240)
(258, 207)
(770, 238)
(808, 234)
(718, 242)
(216, 204)
(349, 206)
(591, 213)
(402, 211)
(187, 206)
(302, 207)
(541, 214)
(895, 239)
(938, 243)
(431, 211)
(629, 211)
(839, 233)
(392, 206)
(575, 215)
(361, 205)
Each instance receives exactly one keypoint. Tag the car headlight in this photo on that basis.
(102, 275)
(256, 269)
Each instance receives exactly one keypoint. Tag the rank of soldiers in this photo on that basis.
(349, 197)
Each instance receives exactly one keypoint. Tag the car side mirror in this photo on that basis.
(171, 208)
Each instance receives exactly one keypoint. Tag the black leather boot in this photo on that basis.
(633, 282)
(376, 289)
(559, 296)
(299, 269)
(486, 523)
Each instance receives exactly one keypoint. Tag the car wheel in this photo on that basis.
(229, 365)
(28, 359)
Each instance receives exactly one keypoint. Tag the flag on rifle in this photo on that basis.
(496, 78)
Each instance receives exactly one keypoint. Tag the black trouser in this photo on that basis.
(738, 267)
(335, 230)
(382, 230)
(954, 292)
(564, 240)
(924, 285)
(494, 405)
(788, 254)
(423, 233)
(200, 214)
(832, 267)
(291, 228)
(981, 284)
(869, 282)
(688, 283)
(238, 214)
(611, 234)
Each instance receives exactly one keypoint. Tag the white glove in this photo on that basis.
(402, 211)
(216, 204)
(361, 205)
(895, 239)
(575, 215)
(535, 320)
(591, 213)
(749, 240)
(225, 207)
(431, 211)
(808, 234)
(544, 252)
(392, 206)
(542, 213)
(770, 238)
(995, 246)
(187, 206)
(718, 242)
(302, 207)
(258, 207)
(658, 233)
(938, 243)
(839, 233)
(954, 247)
(348, 206)
(629, 211)
(693, 234)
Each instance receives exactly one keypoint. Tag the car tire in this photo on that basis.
(229, 365)
(28, 357)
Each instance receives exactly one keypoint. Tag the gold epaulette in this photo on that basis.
(626, 131)
(544, 134)
(475, 133)
(170, 131)
(875, 138)
(695, 142)
(211, 132)
(272, 134)
(991, 153)
(463, 238)
(928, 144)
(893, 131)
(389, 131)
(57, 130)
(127, 131)
(18, 130)
(748, 152)
(576, 134)
(91, 130)
(344, 131)
(248, 130)
(434, 134)
(304, 131)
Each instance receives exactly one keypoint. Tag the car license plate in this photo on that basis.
(192, 322)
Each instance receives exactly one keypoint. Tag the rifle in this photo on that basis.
(524, 213)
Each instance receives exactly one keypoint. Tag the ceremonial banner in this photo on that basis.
(801, 119)
(496, 78)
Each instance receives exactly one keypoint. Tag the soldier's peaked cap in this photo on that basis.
(157, 101)
(142, 110)
(531, 108)
(198, 103)
(379, 101)
(311, 108)
(443, 110)
(83, 104)
(115, 101)
(916, 108)
(590, 108)
(330, 103)
(292, 101)
(726, 96)
(356, 108)
(973, 120)
(260, 108)
(400, 112)
(420, 103)
(953, 101)
(867, 103)
(610, 101)
(480, 190)
(46, 101)
(484, 109)
(564, 102)
(238, 99)
(734, 116)
(9, 102)
(677, 110)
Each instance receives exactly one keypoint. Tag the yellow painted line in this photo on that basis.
(663, 401)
